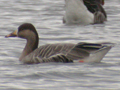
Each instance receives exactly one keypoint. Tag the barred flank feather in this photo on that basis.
(49, 53)
(57, 58)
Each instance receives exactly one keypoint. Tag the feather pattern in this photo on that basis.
(49, 53)
(63, 52)
(96, 8)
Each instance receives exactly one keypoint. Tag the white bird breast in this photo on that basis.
(77, 12)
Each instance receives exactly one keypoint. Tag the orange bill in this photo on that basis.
(13, 34)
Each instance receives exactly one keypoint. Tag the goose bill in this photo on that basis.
(13, 34)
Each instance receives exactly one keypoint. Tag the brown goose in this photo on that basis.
(84, 12)
(59, 52)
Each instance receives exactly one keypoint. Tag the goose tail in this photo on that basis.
(98, 55)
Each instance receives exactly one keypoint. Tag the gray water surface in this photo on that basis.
(47, 16)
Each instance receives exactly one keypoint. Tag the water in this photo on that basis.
(46, 15)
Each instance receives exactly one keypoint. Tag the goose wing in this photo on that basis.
(77, 52)
(48, 50)
(61, 53)
(55, 53)
(83, 50)
(94, 6)
(97, 9)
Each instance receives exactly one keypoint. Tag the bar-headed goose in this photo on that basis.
(59, 52)
(84, 12)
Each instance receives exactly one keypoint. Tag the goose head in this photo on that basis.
(26, 31)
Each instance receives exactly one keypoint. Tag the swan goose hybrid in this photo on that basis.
(59, 52)
(84, 12)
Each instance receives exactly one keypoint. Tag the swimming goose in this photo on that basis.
(84, 12)
(59, 52)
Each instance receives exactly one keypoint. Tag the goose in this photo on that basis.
(58, 52)
(84, 12)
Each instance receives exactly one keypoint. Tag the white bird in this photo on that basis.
(84, 12)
